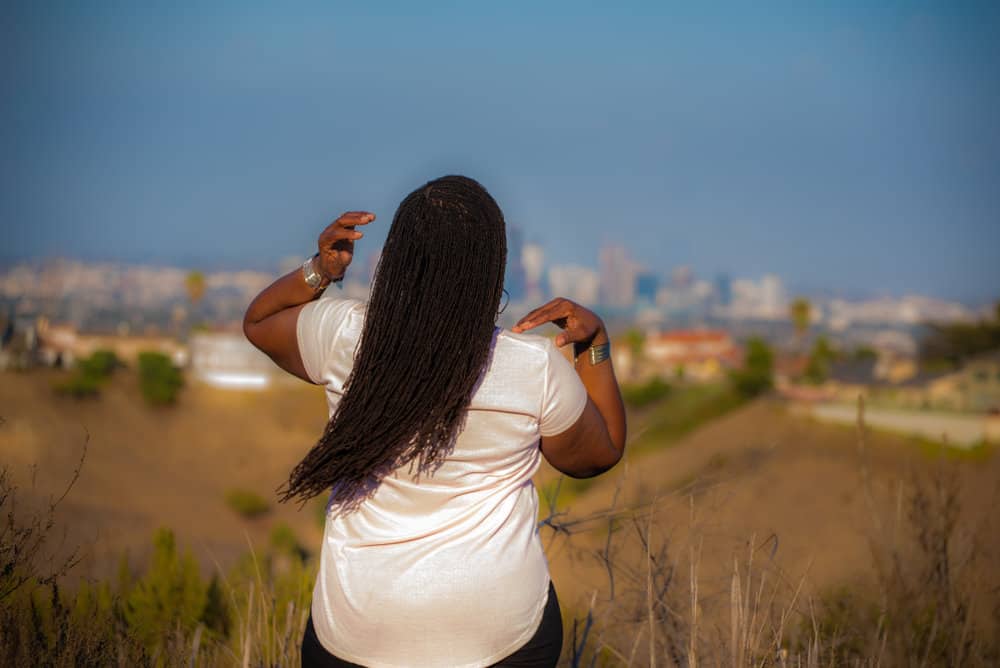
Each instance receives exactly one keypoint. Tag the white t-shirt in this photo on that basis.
(447, 571)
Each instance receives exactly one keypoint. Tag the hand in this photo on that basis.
(336, 243)
(580, 326)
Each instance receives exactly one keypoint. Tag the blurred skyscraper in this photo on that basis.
(515, 282)
(646, 285)
(681, 277)
(617, 277)
(723, 289)
(773, 296)
(533, 262)
(579, 284)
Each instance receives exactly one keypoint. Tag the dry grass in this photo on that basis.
(759, 539)
(651, 603)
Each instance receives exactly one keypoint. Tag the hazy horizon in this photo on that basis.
(849, 148)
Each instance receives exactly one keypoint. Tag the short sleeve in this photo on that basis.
(318, 329)
(564, 396)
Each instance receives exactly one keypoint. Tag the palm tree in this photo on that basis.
(800, 312)
(195, 285)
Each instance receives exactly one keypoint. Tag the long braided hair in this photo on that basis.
(425, 343)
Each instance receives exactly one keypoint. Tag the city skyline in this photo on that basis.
(361, 272)
(850, 148)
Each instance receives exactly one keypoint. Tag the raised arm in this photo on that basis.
(597, 441)
(271, 318)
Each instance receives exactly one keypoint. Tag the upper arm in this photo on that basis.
(584, 449)
(574, 438)
(277, 337)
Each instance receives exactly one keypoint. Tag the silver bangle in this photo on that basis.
(312, 277)
(600, 352)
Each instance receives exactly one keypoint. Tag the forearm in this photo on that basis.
(602, 388)
(288, 291)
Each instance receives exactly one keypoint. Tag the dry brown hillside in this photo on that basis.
(760, 473)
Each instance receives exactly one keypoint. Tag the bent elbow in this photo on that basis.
(250, 332)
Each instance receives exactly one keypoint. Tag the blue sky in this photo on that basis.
(846, 148)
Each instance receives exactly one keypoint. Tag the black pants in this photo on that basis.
(542, 651)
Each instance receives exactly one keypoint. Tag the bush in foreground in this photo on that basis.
(159, 380)
(656, 607)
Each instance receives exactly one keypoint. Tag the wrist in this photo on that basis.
(314, 275)
(600, 338)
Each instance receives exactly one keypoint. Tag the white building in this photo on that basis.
(618, 274)
(574, 282)
(228, 360)
(533, 262)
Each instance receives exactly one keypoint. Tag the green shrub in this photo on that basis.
(159, 380)
(638, 396)
(246, 503)
(89, 375)
(170, 596)
(79, 386)
(755, 376)
(101, 364)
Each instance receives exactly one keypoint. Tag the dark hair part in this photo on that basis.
(425, 343)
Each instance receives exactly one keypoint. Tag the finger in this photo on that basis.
(551, 312)
(342, 233)
(356, 218)
(538, 317)
(529, 321)
(533, 315)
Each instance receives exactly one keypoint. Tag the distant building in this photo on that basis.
(974, 388)
(63, 345)
(18, 344)
(774, 303)
(646, 286)
(533, 261)
(617, 277)
(758, 300)
(723, 290)
(228, 360)
(696, 355)
(681, 277)
(574, 282)
(515, 278)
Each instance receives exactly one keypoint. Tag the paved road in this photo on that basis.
(962, 431)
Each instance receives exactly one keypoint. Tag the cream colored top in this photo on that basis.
(447, 571)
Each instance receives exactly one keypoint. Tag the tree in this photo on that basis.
(195, 285)
(159, 380)
(950, 344)
(800, 312)
(818, 368)
(755, 377)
